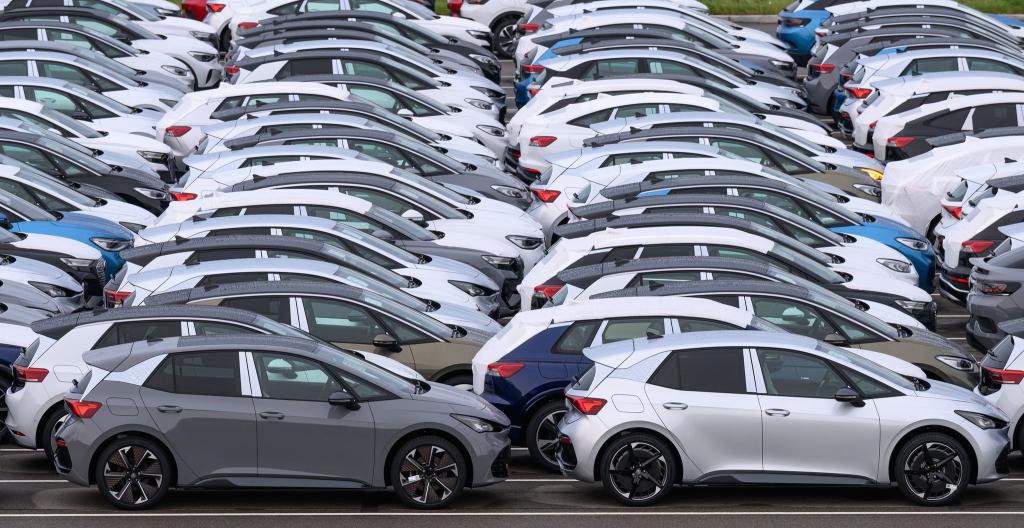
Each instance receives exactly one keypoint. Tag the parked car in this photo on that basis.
(991, 297)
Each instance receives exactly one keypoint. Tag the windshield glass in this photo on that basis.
(135, 10)
(365, 282)
(67, 123)
(868, 366)
(433, 187)
(75, 152)
(98, 98)
(23, 208)
(413, 317)
(49, 185)
(407, 227)
(376, 245)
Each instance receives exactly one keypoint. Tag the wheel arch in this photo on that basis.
(427, 430)
(451, 371)
(54, 408)
(511, 13)
(905, 437)
(639, 429)
(139, 434)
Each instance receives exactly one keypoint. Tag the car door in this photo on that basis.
(706, 399)
(196, 401)
(300, 434)
(805, 429)
(350, 325)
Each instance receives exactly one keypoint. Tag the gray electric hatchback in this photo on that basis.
(270, 411)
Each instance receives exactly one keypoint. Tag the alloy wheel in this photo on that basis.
(505, 39)
(429, 474)
(133, 475)
(638, 471)
(547, 436)
(933, 471)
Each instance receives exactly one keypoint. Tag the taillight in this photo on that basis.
(954, 210)
(976, 247)
(872, 125)
(29, 374)
(176, 130)
(1005, 377)
(503, 370)
(846, 76)
(232, 70)
(859, 93)
(179, 196)
(530, 69)
(996, 288)
(528, 28)
(546, 195)
(115, 298)
(585, 405)
(822, 68)
(82, 409)
(542, 141)
(215, 8)
(455, 6)
(247, 25)
(533, 91)
(547, 290)
(899, 141)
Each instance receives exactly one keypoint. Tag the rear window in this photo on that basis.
(586, 379)
(999, 355)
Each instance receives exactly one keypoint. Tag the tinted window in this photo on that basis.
(867, 387)
(668, 250)
(211, 328)
(576, 338)
(932, 65)
(701, 325)
(671, 68)
(307, 67)
(952, 121)
(231, 278)
(132, 331)
(706, 370)
(284, 377)
(14, 68)
(794, 317)
(629, 159)
(632, 328)
(996, 115)
(275, 308)
(988, 65)
(661, 278)
(612, 67)
(202, 373)
(341, 322)
(909, 104)
(788, 373)
(590, 119)
(637, 110)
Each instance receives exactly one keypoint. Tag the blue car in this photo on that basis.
(524, 79)
(797, 23)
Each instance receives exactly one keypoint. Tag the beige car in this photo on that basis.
(354, 319)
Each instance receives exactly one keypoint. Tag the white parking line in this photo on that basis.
(32, 481)
(622, 513)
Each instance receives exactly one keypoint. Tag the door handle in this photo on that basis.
(776, 412)
(675, 406)
(271, 415)
(171, 409)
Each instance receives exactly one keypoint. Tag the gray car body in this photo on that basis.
(987, 311)
(220, 448)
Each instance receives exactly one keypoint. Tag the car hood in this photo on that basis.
(876, 282)
(941, 390)
(466, 318)
(26, 269)
(98, 226)
(389, 364)
(184, 44)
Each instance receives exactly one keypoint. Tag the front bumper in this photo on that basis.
(490, 453)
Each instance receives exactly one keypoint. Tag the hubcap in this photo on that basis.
(933, 471)
(547, 436)
(429, 474)
(133, 475)
(638, 471)
(507, 38)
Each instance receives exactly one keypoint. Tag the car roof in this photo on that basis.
(960, 137)
(957, 103)
(596, 271)
(565, 62)
(119, 358)
(339, 104)
(680, 130)
(624, 354)
(281, 196)
(608, 308)
(940, 81)
(265, 182)
(296, 287)
(328, 132)
(56, 327)
(144, 254)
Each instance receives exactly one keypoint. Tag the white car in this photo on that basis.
(845, 8)
(1002, 374)
(913, 188)
(522, 238)
(976, 233)
(501, 16)
(967, 114)
(976, 184)
(898, 95)
(40, 286)
(81, 104)
(33, 114)
(147, 18)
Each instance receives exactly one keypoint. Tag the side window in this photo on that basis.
(64, 72)
(371, 5)
(365, 68)
(231, 278)
(701, 325)
(669, 67)
(788, 373)
(661, 176)
(703, 370)
(268, 160)
(995, 115)
(378, 97)
(931, 65)
(51, 99)
(270, 209)
(285, 377)
(199, 373)
(357, 221)
(23, 34)
(340, 322)
(743, 150)
(612, 67)
(230, 102)
(306, 67)
(384, 152)
(730, 300)
(798, 318)
(590, 119)
(988, 65)
(30, 156)
(322, 5)
(662, 278)
(579, 336)
(912, 103)
(404, 333)
(685, 108)
(631, 159)
(287, 9)
(668, 250)
(632, 328)
(276, 308)
(387, 201)
(211, 255)
(952, 121)
(14, 68)
(637, 110)
(211, 328)
(854, 333)
(310, 235)
(364, 391)
(129, 332)
(867, 387)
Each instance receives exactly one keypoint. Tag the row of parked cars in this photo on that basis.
(338, 237)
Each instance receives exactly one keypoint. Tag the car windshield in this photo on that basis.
(365, 282)
(23, 208)
(430, 185)
(429, 202)
(353, 261)
(67, 123)
(849, 310)
(75, 152)
(137, 11)
(97, 98)
(822, 272)
(412, 316)
(367, 371)
(49, 185)
(407, 227)
(866, 365)
(416, 9)
(6, 237)
(375, 244)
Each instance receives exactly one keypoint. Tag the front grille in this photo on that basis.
(1002, 461)
(499, 468)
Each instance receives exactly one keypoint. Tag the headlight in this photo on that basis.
(79, 264)
(151, 193)
(874, 174)
(480, 103)
(785, 103)
(202, 57)
(499, 262)
(983, 421)
(50, 289)
(111, 244)
(493, 94)
(153, 157)
(913, 243)
(133, 227)
(870, 190)
(174, 70)
(899, 266)
(525, 242)
(509, 191)
(477, 424)
(483, 35)
(484, 59)
(201, 35)
(470, 289)
(958, 363)
(915, 306)
(492, 130)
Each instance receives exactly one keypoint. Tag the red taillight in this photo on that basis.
(547, 290)
(528, 28)
(872, 125)
(900, 141)
(584, 405)
(846, 76)
(455, 6)
(977, 247)
(546, 195)
(215, 8)
(1005, 377)
(503, 370)
(542, 141)
(176, 130)
(822, 68)
(194, 8)
(115, 298)
(82, 409)
(954, 210)
(529, 69)
(232, 70)
(61, 443)
(247, 25)
(29, 374)
(533, 90)
(859, 93)
(179, 196)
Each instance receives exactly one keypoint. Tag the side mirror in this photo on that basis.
(399, 14)
(386, 342)
(848, 395)
(413, 215)
(383, 235)
(405, 112)
(835, 339)
(343, 399)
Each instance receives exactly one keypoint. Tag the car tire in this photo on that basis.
(638, 469)
(542, 434)
(504, 32)
(428, 472)
(460, 381)
(53, 422)
(928, 464)
(133, 473)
